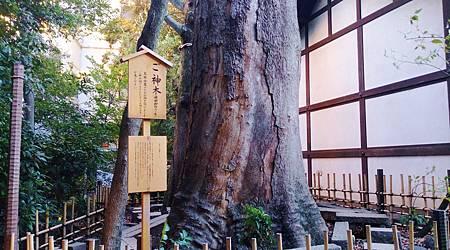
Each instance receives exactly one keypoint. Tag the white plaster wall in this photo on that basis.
(303, 135)
(427, 166)
(339, 166)
(343, 14)
(318, 29)
(334, 69)
(385, 44)
(417, 116)
(336, 127)
(370, 6)
(302, 85)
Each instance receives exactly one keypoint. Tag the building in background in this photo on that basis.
(364, 103)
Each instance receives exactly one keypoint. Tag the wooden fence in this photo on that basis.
(254, 243)
(74, 225)
(418, 193)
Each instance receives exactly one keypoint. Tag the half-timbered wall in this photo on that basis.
(358, 111)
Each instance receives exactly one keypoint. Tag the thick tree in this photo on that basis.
(237, 131)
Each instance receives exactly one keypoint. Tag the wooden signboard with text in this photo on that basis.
(147, 164)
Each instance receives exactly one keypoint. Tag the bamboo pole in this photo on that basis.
(436, 235)
(176, 247)
(228, 243)
(65, 245)
(334, 186)
(64, 232)
(328, 187)
(308, 241)
(47, 225)
(88, 226)
(349, 239)
(254, 244)
(402, 189)
(91, 244)
(205, 246)
(51, 243)
(369, 237)
(410, 194)
(36, 228)
(395, 237)
(12, 241)
(279, 241)
(72, 214)
(411, 235)
(360, 189)
(325, 240)
(350, 189)
(30, 241)
(101, 247)
(344, 188)
(433, 192)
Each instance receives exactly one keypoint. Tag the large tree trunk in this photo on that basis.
(241, 140)
(117, 202)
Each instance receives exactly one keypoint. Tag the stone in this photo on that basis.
(319, 247)
(339, 236)
(77, 246)
(380, 246)
(383, 235)
(428, 242)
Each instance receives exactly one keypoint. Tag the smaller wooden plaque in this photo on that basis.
(147, 164)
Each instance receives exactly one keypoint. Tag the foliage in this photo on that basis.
(183, 240)
(418, 219)
(60, 159)
(430, 48)
(257, 224)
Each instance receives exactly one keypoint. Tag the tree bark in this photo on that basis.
(115, 211)
(239, 141)
(29, 107)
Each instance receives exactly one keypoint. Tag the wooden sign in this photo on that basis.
(147, 84)
(147, 164)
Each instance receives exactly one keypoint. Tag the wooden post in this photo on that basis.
(101, 247)
(12, 242)
(349, 239)
(254, 244)
(47, 225)
(380, 190)
(279, 241)
(411, 235)
(145, 205)
(51, 243)
(325, 240)
(30, 241)
(228, 243)
(436, 235)
(205, 246)
(308, 241)
(15, 131)
(65, 245)
(91, 244)
(369, 237)
(395, 237)
(176, 247)
(64, 232)
(72, 214)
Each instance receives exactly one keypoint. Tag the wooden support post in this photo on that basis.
(12, 241)
(308, 241)
(64, 245)
(101, 247)
(205, 246)
(91, 244)
(228, 243)
(176, 247)
(145, 204)
(349, 240)
(47, 225)
(36, 228)
(51, 243)
(64, 218)
(72, 214)
(369, 237)
(279, 241)
(436, 235)
(254, 244)
(380, 190)
(395, 239)
(411, 235)
(325, 240)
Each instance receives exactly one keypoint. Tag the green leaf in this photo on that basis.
(437, 41)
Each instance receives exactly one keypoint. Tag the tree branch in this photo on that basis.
(178, 27)
(178, 4)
